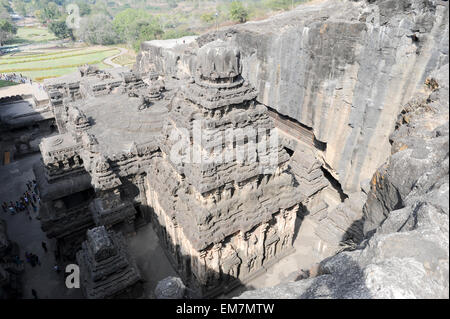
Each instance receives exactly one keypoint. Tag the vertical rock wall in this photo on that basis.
(406, 217)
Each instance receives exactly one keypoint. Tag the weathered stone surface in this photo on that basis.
(343, 68)
(343, 223)
(106, 268)
(420, 144)
(406, 217)
(332, 75)
(170, 288)
(92, 172)
(221, 217)
(23, 124)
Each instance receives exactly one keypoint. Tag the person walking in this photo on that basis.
(11, 208)
(44, 246)
(29, 258)
(56, 268)
(37, 259)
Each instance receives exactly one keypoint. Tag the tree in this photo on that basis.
(135, 26)
(97, 29)
(172, 3)
(146, 31)
(4, 5)
(176, 34)
(280, 4)
(85, 9)
(48, 13)
(238, 12)
(20, 7)
(4, 13)
(7, 30)
(207, 17)
(125, 22)
(60, 30)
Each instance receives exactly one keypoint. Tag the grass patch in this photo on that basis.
(30, 55)
(33, 35)
(54, 64)
(52, 57)
(4, 83)
(91, 58)
(54, 73)
(42, 75)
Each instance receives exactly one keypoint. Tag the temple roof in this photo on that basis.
(116, 122)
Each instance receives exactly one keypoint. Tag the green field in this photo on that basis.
(32, 35)
(54, 63)
(4, 83)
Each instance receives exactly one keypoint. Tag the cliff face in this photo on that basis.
(343, 68)
(406, 217)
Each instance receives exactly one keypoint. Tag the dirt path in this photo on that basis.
(108, 61)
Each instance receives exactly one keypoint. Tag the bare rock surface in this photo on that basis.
(405, 218)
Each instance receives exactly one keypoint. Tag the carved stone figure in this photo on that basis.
(88, 69)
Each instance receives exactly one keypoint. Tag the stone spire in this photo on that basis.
(218, 62)
(106, 268)
(215, 198)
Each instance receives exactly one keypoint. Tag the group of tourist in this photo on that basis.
(14, 77)
(29, 198)
(32, 259)
(30, 201)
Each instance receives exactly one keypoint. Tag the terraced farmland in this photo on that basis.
(49, 64)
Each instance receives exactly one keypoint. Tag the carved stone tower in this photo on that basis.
(107, 270)
(224, 202)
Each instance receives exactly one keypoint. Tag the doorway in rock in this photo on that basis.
(142, 217)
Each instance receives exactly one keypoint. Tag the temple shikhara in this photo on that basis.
(199, 158)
